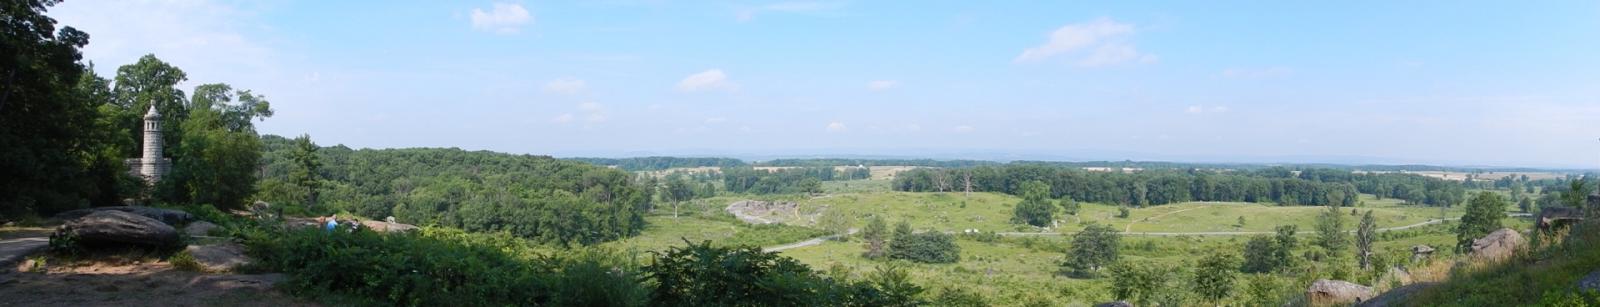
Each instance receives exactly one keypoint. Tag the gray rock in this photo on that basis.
(111, 226)
(1397, 296)
(169, 216)
(16, 251)
(222, 257)
(1328, 292)
(387, 226)
(1498, 245)
(1590, 282)
(1114, 304)
(199, 228)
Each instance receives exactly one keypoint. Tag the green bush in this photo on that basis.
(184, 261)
(925, 247)
(701, 274)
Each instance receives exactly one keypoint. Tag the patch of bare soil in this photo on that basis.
(138, 284)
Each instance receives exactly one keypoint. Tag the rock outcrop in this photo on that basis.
(199, 228)
(1329, 292)
(387, 226)
(1421, 252)
(1397, 296)
(1498, 245)
(222, 257)
(1553, 217)
(757, 211)
(168, 216)
(112, 226)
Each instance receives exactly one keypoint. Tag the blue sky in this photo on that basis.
(1441, 82)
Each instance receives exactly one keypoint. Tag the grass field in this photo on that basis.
(1022, 270)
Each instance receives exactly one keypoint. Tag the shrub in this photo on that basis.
(701, 274)
(925, 247)
(184, 261)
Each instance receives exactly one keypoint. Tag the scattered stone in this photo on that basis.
(260, 282)
(387, 226)
(1114, 304)
(168, 216)
(199, 228)
(1590, 282)
(1421, 252)
(1397, 296)
(754, 211)
(1498, 245)
(221, 257)
(1328, 292)
(112, 226)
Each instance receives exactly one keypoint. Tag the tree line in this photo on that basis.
(660, 163)
(1157, 187)
(65, 131)
(535, 197)
(786, 181)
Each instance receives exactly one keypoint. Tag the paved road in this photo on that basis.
(13, 251)
(808, 242)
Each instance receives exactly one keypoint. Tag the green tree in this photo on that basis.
(876, 237)
(1331, 235)
(216, 160)
(1069, 206)
(1577, 192)
(1035, 208)
(1215, 275)
(1137, 281)
(307, 174)
(1262, 290)
(677, 190)
(1093, 248)
(1258, 255)
(1366, 232)
(1483, 216)
(57, 146)
(925, 247)
(837, 223)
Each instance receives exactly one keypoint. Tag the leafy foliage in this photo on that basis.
(535, 197)
(700, 274)
(925, 247)
(1483, 216)
(1215, 276)
(1035, 208)
(1094, 247)
(1331, 235)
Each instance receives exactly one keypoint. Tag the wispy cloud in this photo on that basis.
(1200, 109)
(502, 18)
(879, 85)
(748, 14)
(837, 127)
(1257, 73)
(567, 86)
(1100, 42)
(711, 79)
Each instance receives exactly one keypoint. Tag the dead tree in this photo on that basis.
(967, 177)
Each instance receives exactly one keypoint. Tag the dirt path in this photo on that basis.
(139, 284)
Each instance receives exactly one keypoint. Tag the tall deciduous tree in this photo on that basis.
(1035, 208)
(876, 237)
(1093, 248)
(217, 157)
(1366, 232)
(1483, 216)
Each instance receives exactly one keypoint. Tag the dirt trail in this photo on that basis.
(1129, 227)
(139, 284)
(807, 242)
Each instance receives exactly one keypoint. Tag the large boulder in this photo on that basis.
(387, 226)
(1498, 245)
(112, 226)
(1330, 292)
(222, 257)
(199, 228)
(169, 216)
(1590, 282)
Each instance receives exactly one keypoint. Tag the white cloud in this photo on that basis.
(1198, 109)
(591, 106)
(706, 80)
(591, 113)
(1106, 42)
(837, 127)
(878, 85)
(787, 7)
(567, 86)
(1256, 73)
(962, 129)
(503, 18)
(563, 118)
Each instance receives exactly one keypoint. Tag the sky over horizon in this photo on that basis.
(1436, 82)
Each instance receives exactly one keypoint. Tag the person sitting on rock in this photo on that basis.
(333, 222)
